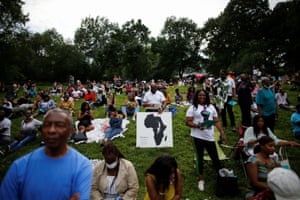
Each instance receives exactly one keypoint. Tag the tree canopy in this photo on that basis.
(246, 34)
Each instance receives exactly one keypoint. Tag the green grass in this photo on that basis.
(182, 150)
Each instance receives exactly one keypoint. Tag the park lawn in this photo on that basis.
(182, 150)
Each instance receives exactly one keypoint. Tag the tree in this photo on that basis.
(92, 38)
(135, 39)
(12, 18)
(234, 31)
(178, 47)
(282, 33)
(12, 21)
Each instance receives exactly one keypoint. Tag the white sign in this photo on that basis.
(154, 129)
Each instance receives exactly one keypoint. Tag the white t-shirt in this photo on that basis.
(231, 85)
(110, 192)
(157, 98)
(281, 99)
(206, 134)
(5, 123)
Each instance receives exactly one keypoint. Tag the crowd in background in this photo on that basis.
(258, 95)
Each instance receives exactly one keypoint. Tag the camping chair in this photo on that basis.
(237, 150)
(283, 157)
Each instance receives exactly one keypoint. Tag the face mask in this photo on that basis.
(112, 165)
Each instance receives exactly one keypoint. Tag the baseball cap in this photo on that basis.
(285, 184)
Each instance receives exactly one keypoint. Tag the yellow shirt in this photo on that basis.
(66, 105)
(169, 193)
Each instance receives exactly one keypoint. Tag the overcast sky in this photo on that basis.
(66, 15)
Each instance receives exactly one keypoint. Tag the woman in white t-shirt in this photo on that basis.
(202, 116)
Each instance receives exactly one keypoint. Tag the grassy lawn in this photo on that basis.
(182, 150)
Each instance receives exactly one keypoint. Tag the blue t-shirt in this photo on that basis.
(266, 99)
(295, 118)
(36, 176)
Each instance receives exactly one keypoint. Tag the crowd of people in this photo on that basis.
(115, 177)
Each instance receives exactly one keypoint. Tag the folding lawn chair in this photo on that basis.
(283, 157)
(237, 151)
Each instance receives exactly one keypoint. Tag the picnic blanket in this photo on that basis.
(98, 133)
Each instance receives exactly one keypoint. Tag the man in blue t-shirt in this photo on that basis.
(55, 171)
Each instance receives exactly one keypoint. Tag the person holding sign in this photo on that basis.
(154, 100)
(202, 116)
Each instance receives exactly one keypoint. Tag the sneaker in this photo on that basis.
(201, 185)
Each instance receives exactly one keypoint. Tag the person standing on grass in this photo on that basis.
(226, 92)
(163, 180)
(244, 88)
(54, 171)
(267, 104)
(202, 116)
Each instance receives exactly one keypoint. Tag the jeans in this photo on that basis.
(17, 144)
(111, 132)
(127, 111)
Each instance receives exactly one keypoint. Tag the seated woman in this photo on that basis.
(258, 166)
(282, 100)
(130, 106)
(101, 99)
(44, 105)
(85, 116)
(259, 129)
(114, 177)
(163, 179)
(28, 131)
(114, 124)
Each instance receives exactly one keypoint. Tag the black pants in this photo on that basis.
(270, 121)
(211, 149)
(227, 107)
(246, 114)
